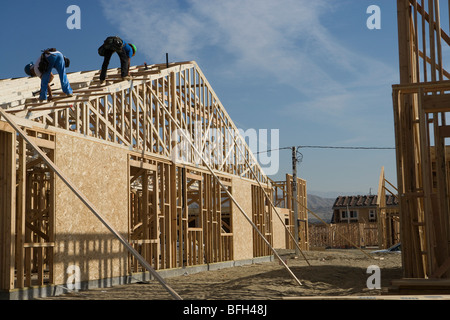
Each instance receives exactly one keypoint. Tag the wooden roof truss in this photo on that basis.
(130, 113)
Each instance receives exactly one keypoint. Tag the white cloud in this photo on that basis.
(283, 41)
(156, 27)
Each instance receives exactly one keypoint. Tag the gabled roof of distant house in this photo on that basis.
(362, 201)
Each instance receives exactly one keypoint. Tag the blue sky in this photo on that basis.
(311, 69)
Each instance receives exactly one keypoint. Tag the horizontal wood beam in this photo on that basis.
(436, 103)
(143, 165)
(39, 245)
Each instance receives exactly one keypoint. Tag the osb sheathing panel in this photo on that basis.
(279, 228)
(101, 174)
(242, 229)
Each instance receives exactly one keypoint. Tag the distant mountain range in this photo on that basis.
(323, 207)
(334, 194)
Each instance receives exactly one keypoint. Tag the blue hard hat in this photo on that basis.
(28, 68)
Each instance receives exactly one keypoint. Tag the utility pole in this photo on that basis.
(294, 191)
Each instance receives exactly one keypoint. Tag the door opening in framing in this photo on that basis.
(178, 217)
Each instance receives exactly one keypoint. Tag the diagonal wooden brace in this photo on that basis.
(90, 206)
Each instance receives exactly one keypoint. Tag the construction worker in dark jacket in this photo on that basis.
(125, 51)
(55, 60)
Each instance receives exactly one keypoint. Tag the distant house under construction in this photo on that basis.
(361, 208)
(139, 155)
(360, 221)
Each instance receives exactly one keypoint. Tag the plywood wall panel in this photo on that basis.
(242, 229)
(279, 229)
(101, 173)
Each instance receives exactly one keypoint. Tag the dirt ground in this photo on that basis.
(330, 273)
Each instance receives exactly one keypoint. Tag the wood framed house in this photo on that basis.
(127, 178)
(360, 208)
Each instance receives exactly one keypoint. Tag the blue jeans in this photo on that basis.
(56, 60)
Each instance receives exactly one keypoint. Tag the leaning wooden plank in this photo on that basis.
(90, 206)
(339, 233)
(200, 155)
(250, 168)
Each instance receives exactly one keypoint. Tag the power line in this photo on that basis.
(362, 148)
(330, 147)
(273, 150)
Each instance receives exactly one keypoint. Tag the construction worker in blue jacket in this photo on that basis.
(57, 61)
(125, 52)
